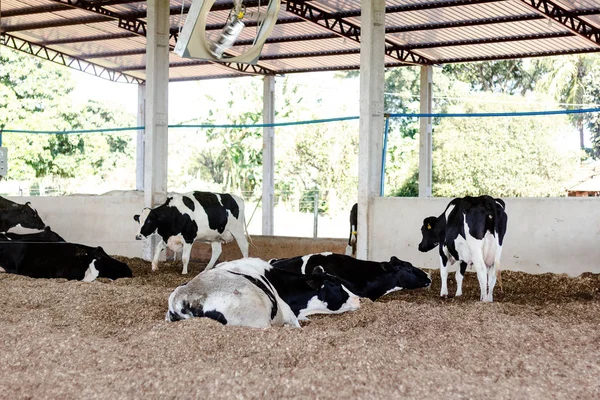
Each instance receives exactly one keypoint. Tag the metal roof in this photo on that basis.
(107, 37)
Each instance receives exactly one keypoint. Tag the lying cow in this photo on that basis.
(213, 218)
(58, 260)
(471, 230)
(14, 214)
(368, 279)
(351, 247)
(234, 293)
(304, 295)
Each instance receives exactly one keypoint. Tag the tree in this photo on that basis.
(566, 82)
(514, 156)
(34, 95)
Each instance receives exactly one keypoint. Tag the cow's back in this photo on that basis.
(215, 213)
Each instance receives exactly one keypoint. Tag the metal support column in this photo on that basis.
(372, 46)
(425, 133)
(141, 120)
(156, 131)
(268, 189)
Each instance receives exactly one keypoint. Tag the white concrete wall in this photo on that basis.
(104, 220)
(559, 235)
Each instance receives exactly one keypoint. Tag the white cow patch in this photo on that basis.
(317, 306)
(91, 273)
(175, 243)
(2, 269)
(393, 290)
(23, 231)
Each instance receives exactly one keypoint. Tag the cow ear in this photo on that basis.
(319, 276)
(28, 204)
(136, 218)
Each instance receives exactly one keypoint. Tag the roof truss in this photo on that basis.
(66, 60)
(566, 18)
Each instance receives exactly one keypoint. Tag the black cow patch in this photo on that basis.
(198, 312)
(264, 288)
(169, 221)
(217, 214)
(189, 203)
(230, 204)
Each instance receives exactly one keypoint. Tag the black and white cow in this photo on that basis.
(351, 247)
(471, 230)
(220, 294)
(363, 278)
(14, 215)
(58, 260)
(213, 218)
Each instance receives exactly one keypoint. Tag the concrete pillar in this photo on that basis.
(156, 129)
(425, 130)
(268, 189)
(141, 121)
(372, 44)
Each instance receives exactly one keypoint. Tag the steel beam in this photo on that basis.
(55, 24)
(568, 19)
(463, 23)
(518, 55)
(95, 38)
(57, 57)
(337, 23)
(499, 39)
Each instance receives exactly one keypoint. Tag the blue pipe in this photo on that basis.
(384, 152)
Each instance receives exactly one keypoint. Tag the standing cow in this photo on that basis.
(213, 218)
(471, 230)
(351, 247)
(14, 214)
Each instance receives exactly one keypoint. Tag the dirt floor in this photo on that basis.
(108, 340)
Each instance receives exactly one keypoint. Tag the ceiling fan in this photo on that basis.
(210, 34)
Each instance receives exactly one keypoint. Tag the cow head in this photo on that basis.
(148, 221)
(431, 234)
(332, 295)
(407, 276)
(28, 217)
(108, 267)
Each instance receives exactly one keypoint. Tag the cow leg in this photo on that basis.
(497, 266)
(491, 275)
(157, 250)
(216, 252)
(444, 276)
(481, 276)
(185, 256)
(460, 273)
(240, 237)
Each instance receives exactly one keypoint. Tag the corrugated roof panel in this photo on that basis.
(593, 19)
(75, 31)
(479, 32)
(306, 47)
(508, 49)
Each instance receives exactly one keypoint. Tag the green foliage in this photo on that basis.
(34, 95)
(505, 76)
(518, 156)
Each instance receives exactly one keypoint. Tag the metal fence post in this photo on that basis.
(316, 214)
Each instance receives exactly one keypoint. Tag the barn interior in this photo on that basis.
(108, 339)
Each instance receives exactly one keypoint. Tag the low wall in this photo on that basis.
(267, 247)
(105, 220)
(560, 235)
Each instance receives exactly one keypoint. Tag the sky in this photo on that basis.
(336, 97)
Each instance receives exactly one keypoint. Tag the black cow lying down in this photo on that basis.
(57, 260)
(363, 278)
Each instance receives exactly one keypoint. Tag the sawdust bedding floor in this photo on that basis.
(108, 340)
